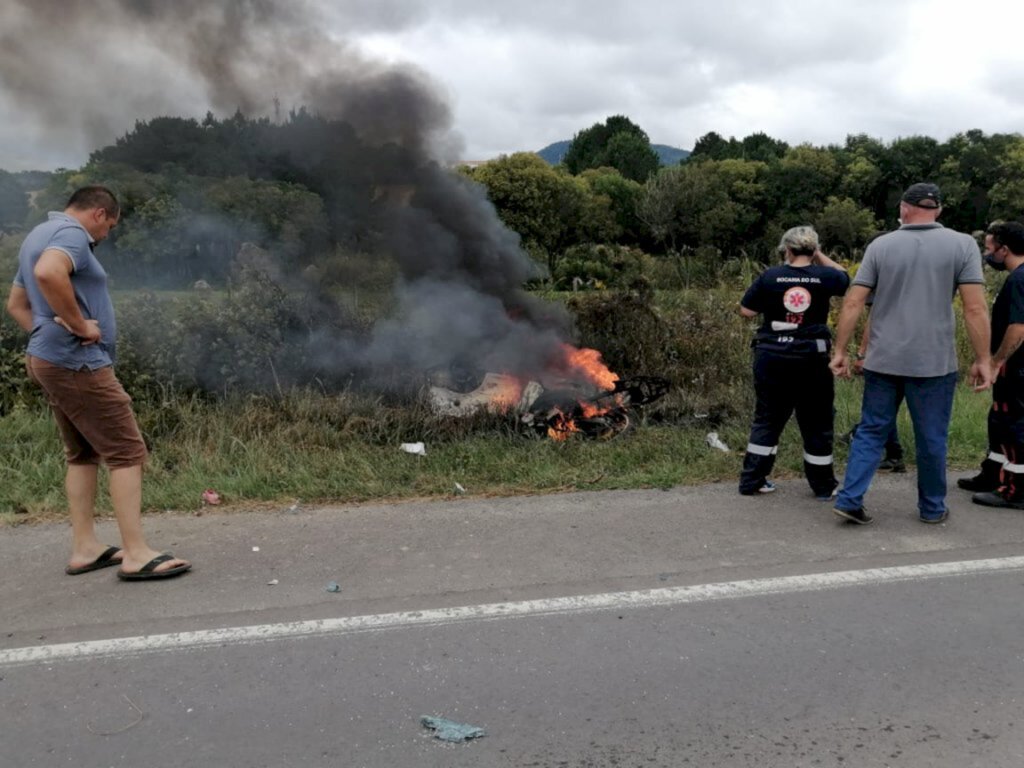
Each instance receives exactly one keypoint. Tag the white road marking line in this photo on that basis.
(668, 596)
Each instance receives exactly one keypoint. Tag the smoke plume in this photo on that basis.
(90, 70)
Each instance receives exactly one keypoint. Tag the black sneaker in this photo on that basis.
(892, 465)
(858, 516)
(766, 487)
(980, 483)
(993, 499)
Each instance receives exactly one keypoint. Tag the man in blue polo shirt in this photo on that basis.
(914, 273)
(60, 298)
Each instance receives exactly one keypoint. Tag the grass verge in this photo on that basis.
(319, 449)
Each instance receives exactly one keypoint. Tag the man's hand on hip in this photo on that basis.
(90, 333)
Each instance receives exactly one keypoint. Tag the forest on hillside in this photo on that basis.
(304, 190)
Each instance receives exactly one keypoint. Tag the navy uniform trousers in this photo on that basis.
(1006, 434)
(784, 384)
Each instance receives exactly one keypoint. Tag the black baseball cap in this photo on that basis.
(923, 195)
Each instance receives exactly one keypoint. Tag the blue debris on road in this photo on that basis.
(449, 730)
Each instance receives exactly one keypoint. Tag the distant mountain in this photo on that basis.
(670, 155)
(554, 153)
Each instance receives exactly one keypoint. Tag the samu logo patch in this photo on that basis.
(797, 300)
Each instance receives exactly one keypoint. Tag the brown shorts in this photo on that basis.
(93, 412)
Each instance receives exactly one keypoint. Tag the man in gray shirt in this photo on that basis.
(60, 298)
(914, 272)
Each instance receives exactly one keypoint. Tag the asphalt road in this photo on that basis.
(684, 627)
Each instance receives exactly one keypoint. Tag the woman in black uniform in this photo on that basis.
(791, 355)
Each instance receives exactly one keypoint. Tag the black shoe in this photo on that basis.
(858, 516)
(934, 520)
(993, 499)
(892, 465)
(980, 483)
(767, 486)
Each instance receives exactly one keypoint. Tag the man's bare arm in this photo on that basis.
(1011, 342)
(976, 319)
(53, 275)
(979, 333)
(19, 307)
(853, 306)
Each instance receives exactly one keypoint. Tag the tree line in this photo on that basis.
(734, 197)
(194, 190)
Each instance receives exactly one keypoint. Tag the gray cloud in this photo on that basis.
(520, 75)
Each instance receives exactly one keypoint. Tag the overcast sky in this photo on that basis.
(520, 75)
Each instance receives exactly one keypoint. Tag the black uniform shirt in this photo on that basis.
(794, 301)
(1007, 310)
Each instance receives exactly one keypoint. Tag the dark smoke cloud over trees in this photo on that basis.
(371, 142)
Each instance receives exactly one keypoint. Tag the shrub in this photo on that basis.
(696, 340)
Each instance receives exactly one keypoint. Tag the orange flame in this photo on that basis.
(588, 363)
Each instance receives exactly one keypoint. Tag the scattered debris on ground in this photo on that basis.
(714, 441)
(449, 730)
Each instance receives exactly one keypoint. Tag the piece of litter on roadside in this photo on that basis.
(714, 441)
(211, 497)
(255, 549)
(332, 586)
(417, 449)
(273, 583)
(448, 730)
(459, 488)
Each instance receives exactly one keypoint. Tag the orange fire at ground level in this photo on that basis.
(587, 363)
(573, 393)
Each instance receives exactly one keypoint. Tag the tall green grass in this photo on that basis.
(315, 449)
(308, 445)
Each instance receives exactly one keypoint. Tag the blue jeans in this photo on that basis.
(930, 402)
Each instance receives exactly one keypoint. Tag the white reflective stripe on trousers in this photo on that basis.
(762, 450)
(993, 456)
(819, 461)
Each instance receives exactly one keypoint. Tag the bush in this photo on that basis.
(696, 340)
(15, 388)
(255, 338)
(602, 266)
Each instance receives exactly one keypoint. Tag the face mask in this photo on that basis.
(998, 266)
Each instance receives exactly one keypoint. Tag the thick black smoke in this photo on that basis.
(94, 68)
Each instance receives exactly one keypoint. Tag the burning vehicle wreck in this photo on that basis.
(597, 405)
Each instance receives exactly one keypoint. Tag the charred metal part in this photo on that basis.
(570, 408)
(641, 390)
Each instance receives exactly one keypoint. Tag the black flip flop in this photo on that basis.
(105, 560)
(148, 572)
